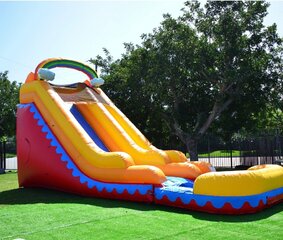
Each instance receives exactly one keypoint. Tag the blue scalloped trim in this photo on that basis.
(175, 188)
(109, 187)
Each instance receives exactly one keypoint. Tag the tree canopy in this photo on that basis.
(9, 98)
(213, 68)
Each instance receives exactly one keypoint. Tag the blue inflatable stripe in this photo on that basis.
(88, 128)
(120, 188)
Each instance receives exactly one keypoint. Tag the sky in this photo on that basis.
(34, 31)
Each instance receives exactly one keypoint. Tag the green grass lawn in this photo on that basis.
(10, 155)
(227, 153)
(221, 153)
(44, 214)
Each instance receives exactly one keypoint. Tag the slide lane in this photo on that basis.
(91, 159)
(116, 139)
(139, 138)
(88, 128)
(114, 136)
(135, 134)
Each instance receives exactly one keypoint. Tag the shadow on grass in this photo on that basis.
(39, 195)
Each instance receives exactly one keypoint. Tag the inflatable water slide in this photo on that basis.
(74, 139)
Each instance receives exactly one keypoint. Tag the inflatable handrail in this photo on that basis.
(66, 63)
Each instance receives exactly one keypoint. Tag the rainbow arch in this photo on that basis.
(66, 63)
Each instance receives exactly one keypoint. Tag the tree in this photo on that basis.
(9, 98)
(125, 85)
(209, 69)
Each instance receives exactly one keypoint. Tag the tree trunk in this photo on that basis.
(191, 140)
(192, 148)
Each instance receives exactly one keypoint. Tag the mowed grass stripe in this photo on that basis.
(46, 214)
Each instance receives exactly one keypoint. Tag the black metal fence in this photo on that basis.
(267, 149)
(8, 160)
(241, 154)
(2, 155)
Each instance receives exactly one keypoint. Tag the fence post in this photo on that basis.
(231, 155)
(4, 155)
(272, 149)
(1, 156)
(208, 143)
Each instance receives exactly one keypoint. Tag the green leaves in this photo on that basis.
(9, 98)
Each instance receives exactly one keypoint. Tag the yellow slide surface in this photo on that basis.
(135, 134)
